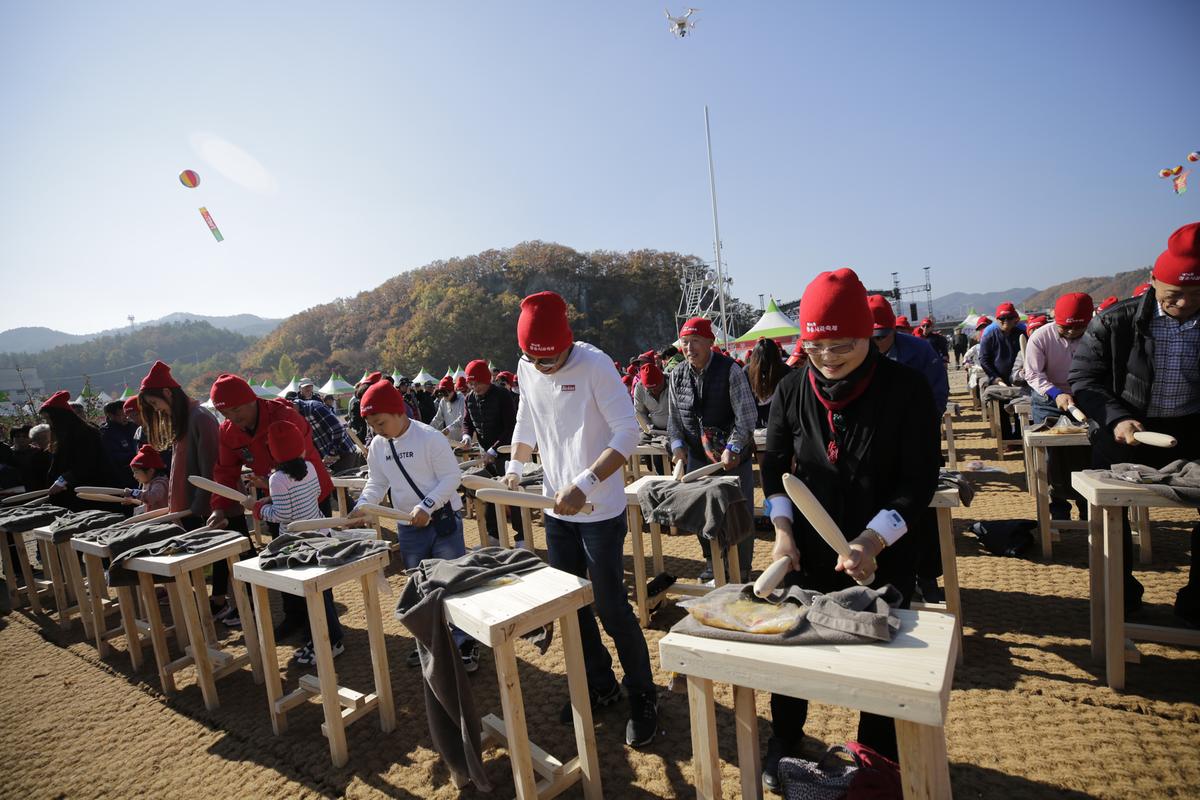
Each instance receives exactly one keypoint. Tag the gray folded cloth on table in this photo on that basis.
(151, 538)
(713, 507)
(1004, 394)
(855, 615)
(76, 522)
(26, 518)
(1178, 481)
(955, 480)
(314, 549)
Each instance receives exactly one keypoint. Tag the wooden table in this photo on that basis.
(497, 615)
(341, 486)
(948, 426)
(342, 706)
(996, 408)
(633, 466)
(502, 530)
(1106, 574)
(907, 679)
(1037, 444)
(66, 581)
(101, 605)
(203, 650)
(33, 588)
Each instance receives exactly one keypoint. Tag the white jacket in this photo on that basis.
(430, 462)
(571, 417)
(449, 416)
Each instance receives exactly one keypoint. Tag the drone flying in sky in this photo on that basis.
(680, 26)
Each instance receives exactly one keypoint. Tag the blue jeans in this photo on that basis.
(745, 548)
(419, 544)
(595, 550)
(1060, 462)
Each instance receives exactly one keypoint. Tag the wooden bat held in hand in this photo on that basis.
(1155, 439)
(221, 489)
(1078, 415)
(772, 577)
(506, 497)
(702, 472)
(15, 499)
(98, 497)
(816, 515)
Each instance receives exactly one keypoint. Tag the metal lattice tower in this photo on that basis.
(899, 291)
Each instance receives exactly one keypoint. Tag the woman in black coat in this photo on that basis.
(78, 458)
(856, 428)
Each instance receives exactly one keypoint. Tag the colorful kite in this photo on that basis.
(189, 178)
(1194, 156)
(1178, 175)
(212, 226)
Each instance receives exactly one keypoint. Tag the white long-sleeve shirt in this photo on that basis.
(430, 462)
(450, 416)
(571, 417)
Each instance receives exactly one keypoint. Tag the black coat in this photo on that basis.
(1113, 367)
(81, 461)
(889, 458)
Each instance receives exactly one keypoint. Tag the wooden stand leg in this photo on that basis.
(266, 637)
(527, 523)
(951, 454)
(1114, 600)
(158, 636)
(50, 562)
(178, 624)
(1041, 491)
(327, 675)
(97, 593)
(203, 607)
(924, 770)
(995, 412)
(718, 559)
(656, 551)
(734, 564)
(70, 562)
(513, 705)
(199, 641)
(31, 588)
(133, 640)
(634, 517)
(379, 660)
(10, 573)
(749, 759)
(705, 759)
(950, 573)
(502, 525)
(581, 706)
(249, 633)
(1096, 579)
(342, 506)
(1145, 550)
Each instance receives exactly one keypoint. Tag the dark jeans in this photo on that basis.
(595, 550)
(1106, 452)
(745, 548)
(1060, 463)
(788, 714)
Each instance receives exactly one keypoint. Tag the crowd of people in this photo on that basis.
(854, 412)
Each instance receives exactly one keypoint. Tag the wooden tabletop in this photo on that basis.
(167, 566)
(1113, 492)
(1043, 439)
(908, 678)
(305, 580)
(516, 604)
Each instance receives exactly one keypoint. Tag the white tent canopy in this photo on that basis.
(460, 373)
(264, 391)
(424, 377)
(293, 386)
(773, 324)
(335, 386)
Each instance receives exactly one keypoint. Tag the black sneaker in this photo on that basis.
(414, 658)
(469, 650)
(643, 719)
(776, 749)
(599, 700)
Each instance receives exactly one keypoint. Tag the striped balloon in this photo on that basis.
(189, 178)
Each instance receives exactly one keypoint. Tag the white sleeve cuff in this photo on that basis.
(492, 452)
(514, 467)
(779, 506)
(676, 444)
(586, 482)
(888, 524)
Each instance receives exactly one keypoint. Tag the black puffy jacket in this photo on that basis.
(1113, 367)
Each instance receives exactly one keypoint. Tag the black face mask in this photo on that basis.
(837, 390)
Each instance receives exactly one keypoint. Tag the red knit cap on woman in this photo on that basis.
(542, 328)
(60, 399)
(478, 371)
(159, 377)
(446, 384)
(382, 398)
(834, 306)
(1073, 310)
(147, 458)
(1179, 264)
(284, 441)
(231, 391)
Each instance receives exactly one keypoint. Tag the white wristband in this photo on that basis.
(888, 524)
(586, 482)
(515, 467)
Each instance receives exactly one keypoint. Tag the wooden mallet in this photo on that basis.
(220, 489)
(99, 489)
(100, 497)
(506, 497)
(318, 524)
(816, 515)
(772, 577)
(1155, 439)
(26, 496)
(477, 482)
(702, 472)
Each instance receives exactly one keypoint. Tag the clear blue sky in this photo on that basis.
(1001, 144)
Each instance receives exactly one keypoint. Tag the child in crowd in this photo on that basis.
(149, 471)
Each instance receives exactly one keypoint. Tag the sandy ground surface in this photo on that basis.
(1029, 715)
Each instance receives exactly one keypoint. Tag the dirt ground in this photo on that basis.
(1029, 715)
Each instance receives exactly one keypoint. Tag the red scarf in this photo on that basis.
(832, 406)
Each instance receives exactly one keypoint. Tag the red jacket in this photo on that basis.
(235, 447)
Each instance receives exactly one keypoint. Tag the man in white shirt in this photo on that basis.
(576, 411)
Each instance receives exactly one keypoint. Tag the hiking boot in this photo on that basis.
(643, 718)
(469, 650)
(599, 700)
(776, 749)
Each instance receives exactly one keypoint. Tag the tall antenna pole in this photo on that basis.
(712, 185)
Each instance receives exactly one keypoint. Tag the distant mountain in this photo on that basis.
(1120, 286)
(957, 305)
(38, 340)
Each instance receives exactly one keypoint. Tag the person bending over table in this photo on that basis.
(859, 429)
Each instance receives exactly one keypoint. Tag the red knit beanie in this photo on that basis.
(285, 441)
(147, 458)
(382, 398)
(542, 328)
(230, 391)
(1033, 323)
(1179, 264)
(159, 377)
(460, 384)
(505, 375)
(130, 404)
(1073, 310)
(60, 399)
(650, 376)
(627, 380)
(698, 326)
(1006, 308)
(982, 322)
(446, 384)
(478, 371)
(370, 379)
(1106, 303)
(902, 324)
(834, 306)
(881, 311)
